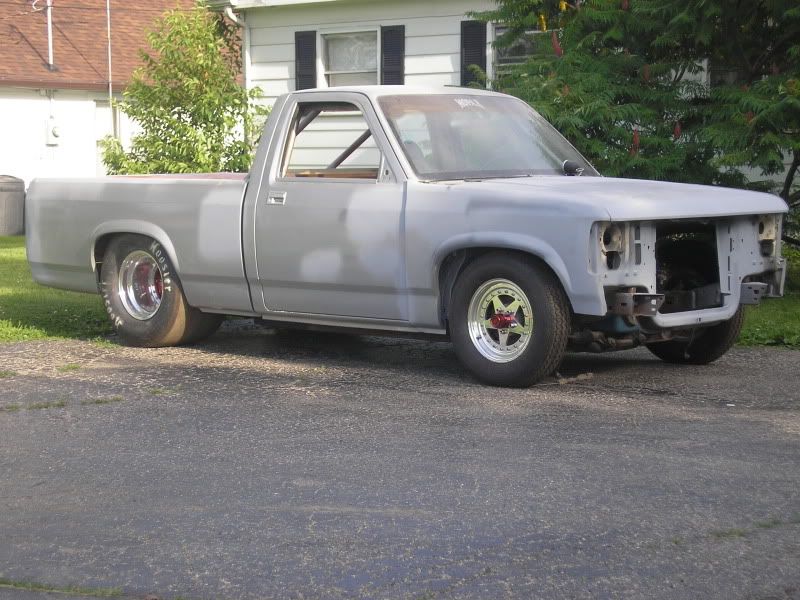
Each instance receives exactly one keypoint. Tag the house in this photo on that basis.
(55, 81)
(297, 44)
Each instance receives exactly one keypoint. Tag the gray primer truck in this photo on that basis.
(445, 211)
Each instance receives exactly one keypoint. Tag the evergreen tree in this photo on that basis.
(752, 111)
(193, 113)
(627, 82)
(622, 100)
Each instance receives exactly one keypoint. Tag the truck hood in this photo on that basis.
(635, 199)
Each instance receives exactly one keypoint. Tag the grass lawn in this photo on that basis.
(773, 323)
(777, 322)
(29, 311)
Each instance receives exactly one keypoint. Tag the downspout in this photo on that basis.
(241, 21)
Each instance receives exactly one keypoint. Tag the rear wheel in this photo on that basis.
(143, 296)
(509, 320)
(706, 345)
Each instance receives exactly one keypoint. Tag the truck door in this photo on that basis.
(328, 229)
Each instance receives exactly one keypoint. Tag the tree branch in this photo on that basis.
(787, 183)
(773, 49)
(791, 240)
(679, 75)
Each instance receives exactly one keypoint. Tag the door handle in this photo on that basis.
(276, 198)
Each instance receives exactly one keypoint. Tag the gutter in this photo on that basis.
(55, 84)
(245, 4)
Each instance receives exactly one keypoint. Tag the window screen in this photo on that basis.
(351, 58)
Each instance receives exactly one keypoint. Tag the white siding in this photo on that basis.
(82, 119)
(433, 37)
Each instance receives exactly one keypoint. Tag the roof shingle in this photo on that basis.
(80, 43)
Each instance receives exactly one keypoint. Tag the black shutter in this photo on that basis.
(305, 59)
(393, 55)
(473, 49)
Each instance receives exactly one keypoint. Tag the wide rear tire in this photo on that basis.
(509, 320)
(144, 298)
(708, 344)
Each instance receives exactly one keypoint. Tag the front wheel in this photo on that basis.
(143, 296)
(705, 346)
(509, 320)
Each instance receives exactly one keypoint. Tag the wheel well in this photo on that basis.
(455, 263)
(99, 251)
(101, 245)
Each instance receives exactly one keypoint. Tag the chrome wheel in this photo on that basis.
(141, 285)
(500, 320)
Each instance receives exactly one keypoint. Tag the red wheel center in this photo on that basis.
(142, 276)
(502, 321)
(143, 283)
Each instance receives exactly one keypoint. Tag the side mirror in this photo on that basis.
(571, 168)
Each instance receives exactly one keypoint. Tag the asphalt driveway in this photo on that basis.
(303, 465)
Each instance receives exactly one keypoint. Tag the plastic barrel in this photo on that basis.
(12, 205)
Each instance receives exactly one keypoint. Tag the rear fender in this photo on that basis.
(123, 226)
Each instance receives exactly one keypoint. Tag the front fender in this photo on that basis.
(505, 241)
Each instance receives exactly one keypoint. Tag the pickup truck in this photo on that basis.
(452, 212)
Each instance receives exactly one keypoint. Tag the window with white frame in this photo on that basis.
(351, 58)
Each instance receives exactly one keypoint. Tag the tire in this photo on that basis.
(536, 320)
(709, 344)
(144, 298)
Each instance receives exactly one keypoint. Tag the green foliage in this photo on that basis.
(624, 80)
(194, 114)
(753, 112)
(621, 99)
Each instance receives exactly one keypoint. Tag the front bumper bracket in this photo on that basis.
(635, 304)
(752, 292)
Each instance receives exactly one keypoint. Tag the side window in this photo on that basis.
(532, 43)
(330, 140)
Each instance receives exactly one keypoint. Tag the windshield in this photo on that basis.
(477, 137)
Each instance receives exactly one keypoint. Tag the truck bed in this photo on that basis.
(196, 217)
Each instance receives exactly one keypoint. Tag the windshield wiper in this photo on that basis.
(484, 178)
